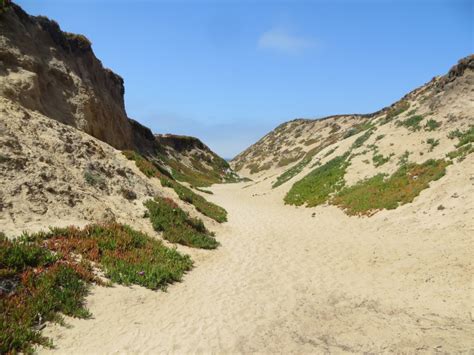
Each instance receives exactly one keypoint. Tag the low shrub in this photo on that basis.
(297, 168)
(42, 277)
(289, 159)
(455, 134)
(382, 192)
(466, 137)
(379, 159)
(461, 152)
(396, 110)
(177, 226)
(316, 187)
(432, 125)
(127, 256)
(144, 165)
(412, 123)
(432, 143)
(362, 139)
(207, 208)
(94, 179)
(329, 152)
(203, 190)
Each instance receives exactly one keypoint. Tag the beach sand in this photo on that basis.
(285, 281)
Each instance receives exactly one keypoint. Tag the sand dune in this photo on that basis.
(284, 281)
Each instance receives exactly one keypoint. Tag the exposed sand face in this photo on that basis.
(284, 281)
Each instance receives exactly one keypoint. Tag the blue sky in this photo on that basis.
(230, 71)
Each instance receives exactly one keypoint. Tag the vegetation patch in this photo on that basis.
(177, 226)
(454, 134)
(396, 110)
(432, 125)
(466, 137)
(292, 172)
(312, 141)
(143, 164)
(329, 152)
(316, 187)
(461, 152)
(403, 160)
(432, 143)
(78, 40)
(203, 190)
(382, 192)
(256, 168)
(358, 128)
(362, 139)
(291, 159)
(94, 179)
(379, 159)
(412, 122)
(297, 168)
(48, 273)
(207, 208)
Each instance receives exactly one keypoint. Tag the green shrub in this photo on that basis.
(290, 173)
(358, 128)
(177, 226)
(126, 255)
(379, 159)
(412, 123)
(144, 165)
(350, 132)
(433, 143)
(94, 179)
(42, 277)
(288, 160)
(297, 168)
(362, 139)
(203, 190)
(330, 151)
(461, 152)
(382, 192)
(432, 125)
(207, 208)
(403, 160)
(455, 134)
(466, 137)
(316, 187)
(78, 40)
(256, 168)
(396, 110)
(379, 137)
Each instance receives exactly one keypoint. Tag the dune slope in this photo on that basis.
(315, 284)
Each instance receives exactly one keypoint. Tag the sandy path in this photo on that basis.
(284, 281)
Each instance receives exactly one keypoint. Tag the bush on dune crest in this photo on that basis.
(48, 273)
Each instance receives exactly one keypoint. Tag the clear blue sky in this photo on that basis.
(230, 71)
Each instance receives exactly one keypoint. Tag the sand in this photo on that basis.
(284, 281)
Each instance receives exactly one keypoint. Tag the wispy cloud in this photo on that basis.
(281, 40)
